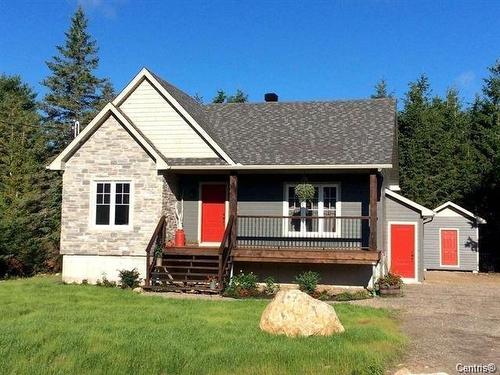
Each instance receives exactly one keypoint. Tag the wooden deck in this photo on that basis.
(283, 255)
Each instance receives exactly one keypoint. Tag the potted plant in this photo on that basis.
(304, 191)
(212, 282)
(158, 254)
(389, 284)
(180, 236)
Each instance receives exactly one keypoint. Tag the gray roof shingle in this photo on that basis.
(296, 133)
(174, 162)
(337, 132)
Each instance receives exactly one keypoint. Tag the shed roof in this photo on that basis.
(460, 210)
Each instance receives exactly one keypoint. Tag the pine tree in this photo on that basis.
(220, 97)
(238, 97)
(22, 151)
(75, 93)
(485, 137)
(381, 90)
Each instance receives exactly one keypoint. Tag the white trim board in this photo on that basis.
(93, 227)
(441, 250)
(460, 209)
(109, 110)
(424, 211)
(406, 280)
(146, 74)
(318, 234)
(241, 167)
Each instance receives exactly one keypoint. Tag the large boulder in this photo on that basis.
(294, 313)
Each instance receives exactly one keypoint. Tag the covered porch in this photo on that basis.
(251, 234)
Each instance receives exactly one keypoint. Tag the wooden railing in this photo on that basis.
(155, 248)
(226, 247)
(315, 232)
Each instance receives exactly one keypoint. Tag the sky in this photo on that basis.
(302, 50)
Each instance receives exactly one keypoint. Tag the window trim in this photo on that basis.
(319, 233)
(93, 203)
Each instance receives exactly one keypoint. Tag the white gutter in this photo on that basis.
(280, 167)
(423, 210)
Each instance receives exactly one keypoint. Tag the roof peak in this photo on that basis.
(334, 101)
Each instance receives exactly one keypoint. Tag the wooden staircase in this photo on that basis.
(189, 269)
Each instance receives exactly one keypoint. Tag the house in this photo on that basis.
(232, 170)
(452, 239)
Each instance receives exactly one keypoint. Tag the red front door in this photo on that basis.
(213, 212)
(403, 250)
(449, 247)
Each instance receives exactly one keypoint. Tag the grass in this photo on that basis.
(51, 328)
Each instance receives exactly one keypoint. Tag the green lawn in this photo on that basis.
(49, 327)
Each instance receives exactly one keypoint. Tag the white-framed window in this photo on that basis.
(112, 204)
(323, 211)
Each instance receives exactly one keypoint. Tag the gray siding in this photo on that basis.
(397, 211)
(467, 243)
(263, 194)
(189, 189)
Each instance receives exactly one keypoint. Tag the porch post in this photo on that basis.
(233, 204)
(373, 211)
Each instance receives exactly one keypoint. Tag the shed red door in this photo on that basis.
(403, 250)
(213, 212)
(449, 247)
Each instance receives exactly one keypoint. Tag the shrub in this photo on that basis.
(271, 288)
(389, 280)
(129, 278)
(353, 296)
(105, 282)
(85, 282)
(308, 281)
(242, 285)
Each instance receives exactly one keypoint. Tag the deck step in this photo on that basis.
(195, 267)
(173, 288)
(216, 260)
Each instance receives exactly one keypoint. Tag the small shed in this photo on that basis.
(404, 236)
(451, 239)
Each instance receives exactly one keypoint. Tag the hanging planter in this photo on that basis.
(305, 192)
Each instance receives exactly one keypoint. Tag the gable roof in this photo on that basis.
(424, 211)
(349, 134)
(186, 106)
(461, 210)
(354, 132)
(108, 110)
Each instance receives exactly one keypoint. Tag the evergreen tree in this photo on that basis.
(75, 93)
(381, 90)
(238, 97)
(22, 152)
(220, 97)
(437, 159)
(198, 98)
(485, 137)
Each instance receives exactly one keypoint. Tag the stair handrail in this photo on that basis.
(157, 239)
(225, 249)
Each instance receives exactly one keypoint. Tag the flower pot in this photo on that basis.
(391, 290)
(213, 284)
(180, 238)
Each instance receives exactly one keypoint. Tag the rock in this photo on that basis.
(137, 290)
(294, 313)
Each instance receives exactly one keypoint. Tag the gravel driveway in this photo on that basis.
(451, 318)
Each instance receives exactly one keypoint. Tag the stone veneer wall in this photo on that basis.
(169, 199)
(111, 153)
